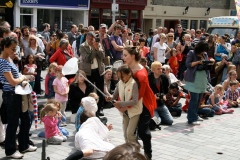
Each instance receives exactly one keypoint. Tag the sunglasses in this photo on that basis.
(170, 36)
(32, 39)
(53, 35)
(17, 32)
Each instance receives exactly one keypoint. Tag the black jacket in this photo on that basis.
(164, 84)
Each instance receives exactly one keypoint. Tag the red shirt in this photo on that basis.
(173, 62)
(145, 92)
(59, 56)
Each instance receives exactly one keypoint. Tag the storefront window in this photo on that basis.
(95, 12)
(134, 14)
(124, 14)
(26, 20)
(47, 16)
(203, 24)
(106, 13)
(71, 17)
(26, 10)
(194, 24)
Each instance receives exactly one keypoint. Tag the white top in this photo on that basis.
(93, 134)
(34, 51)
(154, 38)
(161, 49)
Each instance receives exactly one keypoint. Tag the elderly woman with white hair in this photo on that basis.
(171, 76)
(62, 54)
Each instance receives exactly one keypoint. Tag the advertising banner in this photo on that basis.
(60, 4)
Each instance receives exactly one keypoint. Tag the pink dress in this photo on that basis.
(61, 85)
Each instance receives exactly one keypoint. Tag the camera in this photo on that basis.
(160, 95)
(206, 65)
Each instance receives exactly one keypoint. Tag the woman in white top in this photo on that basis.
(161, 49)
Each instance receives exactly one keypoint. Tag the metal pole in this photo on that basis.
(43, 149)
(113, 13)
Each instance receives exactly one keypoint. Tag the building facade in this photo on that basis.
(130, 11)
(64, 13)
(192, 14)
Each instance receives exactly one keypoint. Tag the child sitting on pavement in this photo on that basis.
(216, 100)
(174, 107)
(232, 94)
(205, 110)
(63, 130)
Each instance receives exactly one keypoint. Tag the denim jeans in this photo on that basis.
(13, 103)
(163, 115)
(194, 103)
(176, 109)
(206, 112)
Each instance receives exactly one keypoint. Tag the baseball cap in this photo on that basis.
(103, 25)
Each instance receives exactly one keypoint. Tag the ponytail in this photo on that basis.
(46, 109)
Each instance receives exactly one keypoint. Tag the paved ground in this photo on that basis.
(216, 138)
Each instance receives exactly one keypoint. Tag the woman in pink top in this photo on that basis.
(61, 89)
(49, 116)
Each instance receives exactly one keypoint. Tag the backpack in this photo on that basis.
(154, 124)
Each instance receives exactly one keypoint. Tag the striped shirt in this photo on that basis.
(6, 66)
(232, 95)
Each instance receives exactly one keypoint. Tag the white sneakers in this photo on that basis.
(199, 119)
(30, 149)
(196, 123)
(16, 155)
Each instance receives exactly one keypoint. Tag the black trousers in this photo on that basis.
(144, 131)
(37, 85)
(98, 80)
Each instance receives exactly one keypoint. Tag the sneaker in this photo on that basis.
(199, 119)
(63, 124)
(16, 155)
(195, 123)
(30, 149)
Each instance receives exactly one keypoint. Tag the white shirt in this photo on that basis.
(161, 49)
(74, 49)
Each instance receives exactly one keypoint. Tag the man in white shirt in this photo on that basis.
(154, 38)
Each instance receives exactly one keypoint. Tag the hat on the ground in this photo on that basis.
(90, 106)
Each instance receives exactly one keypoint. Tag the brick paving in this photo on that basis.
(216, 138)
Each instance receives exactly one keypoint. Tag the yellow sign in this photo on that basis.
(9, 4)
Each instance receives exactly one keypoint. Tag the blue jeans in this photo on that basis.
(176, 109)
(194, 103)
(13, 103)
(206, 112)
(163, 115)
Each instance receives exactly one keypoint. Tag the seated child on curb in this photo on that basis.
(216, 100)
(128, 103)
(205, 110)
(174, 107)
(232, 94)
(63, 130)
(49, 116)
(82, 108)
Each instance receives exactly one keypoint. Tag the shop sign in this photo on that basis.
(60, 4)
(7, 3)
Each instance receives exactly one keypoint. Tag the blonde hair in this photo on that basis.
(108, 70)
(219, 86)
(32, 37)
(187, 35)
(55, 102)
(162, 35)
(48, 107)
(155, 64)
(77, 75)
(54, 64)
(94, 95)
(231, 67)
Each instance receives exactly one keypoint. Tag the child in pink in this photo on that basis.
(30, 69)
(49, 116)
(61, 89)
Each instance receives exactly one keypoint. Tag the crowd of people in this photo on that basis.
(159, 69)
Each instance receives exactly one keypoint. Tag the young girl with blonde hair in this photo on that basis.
(49, 116)
(49, 91)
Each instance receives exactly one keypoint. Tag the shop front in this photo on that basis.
(130, 11)
(6, 10)
(34, 13)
